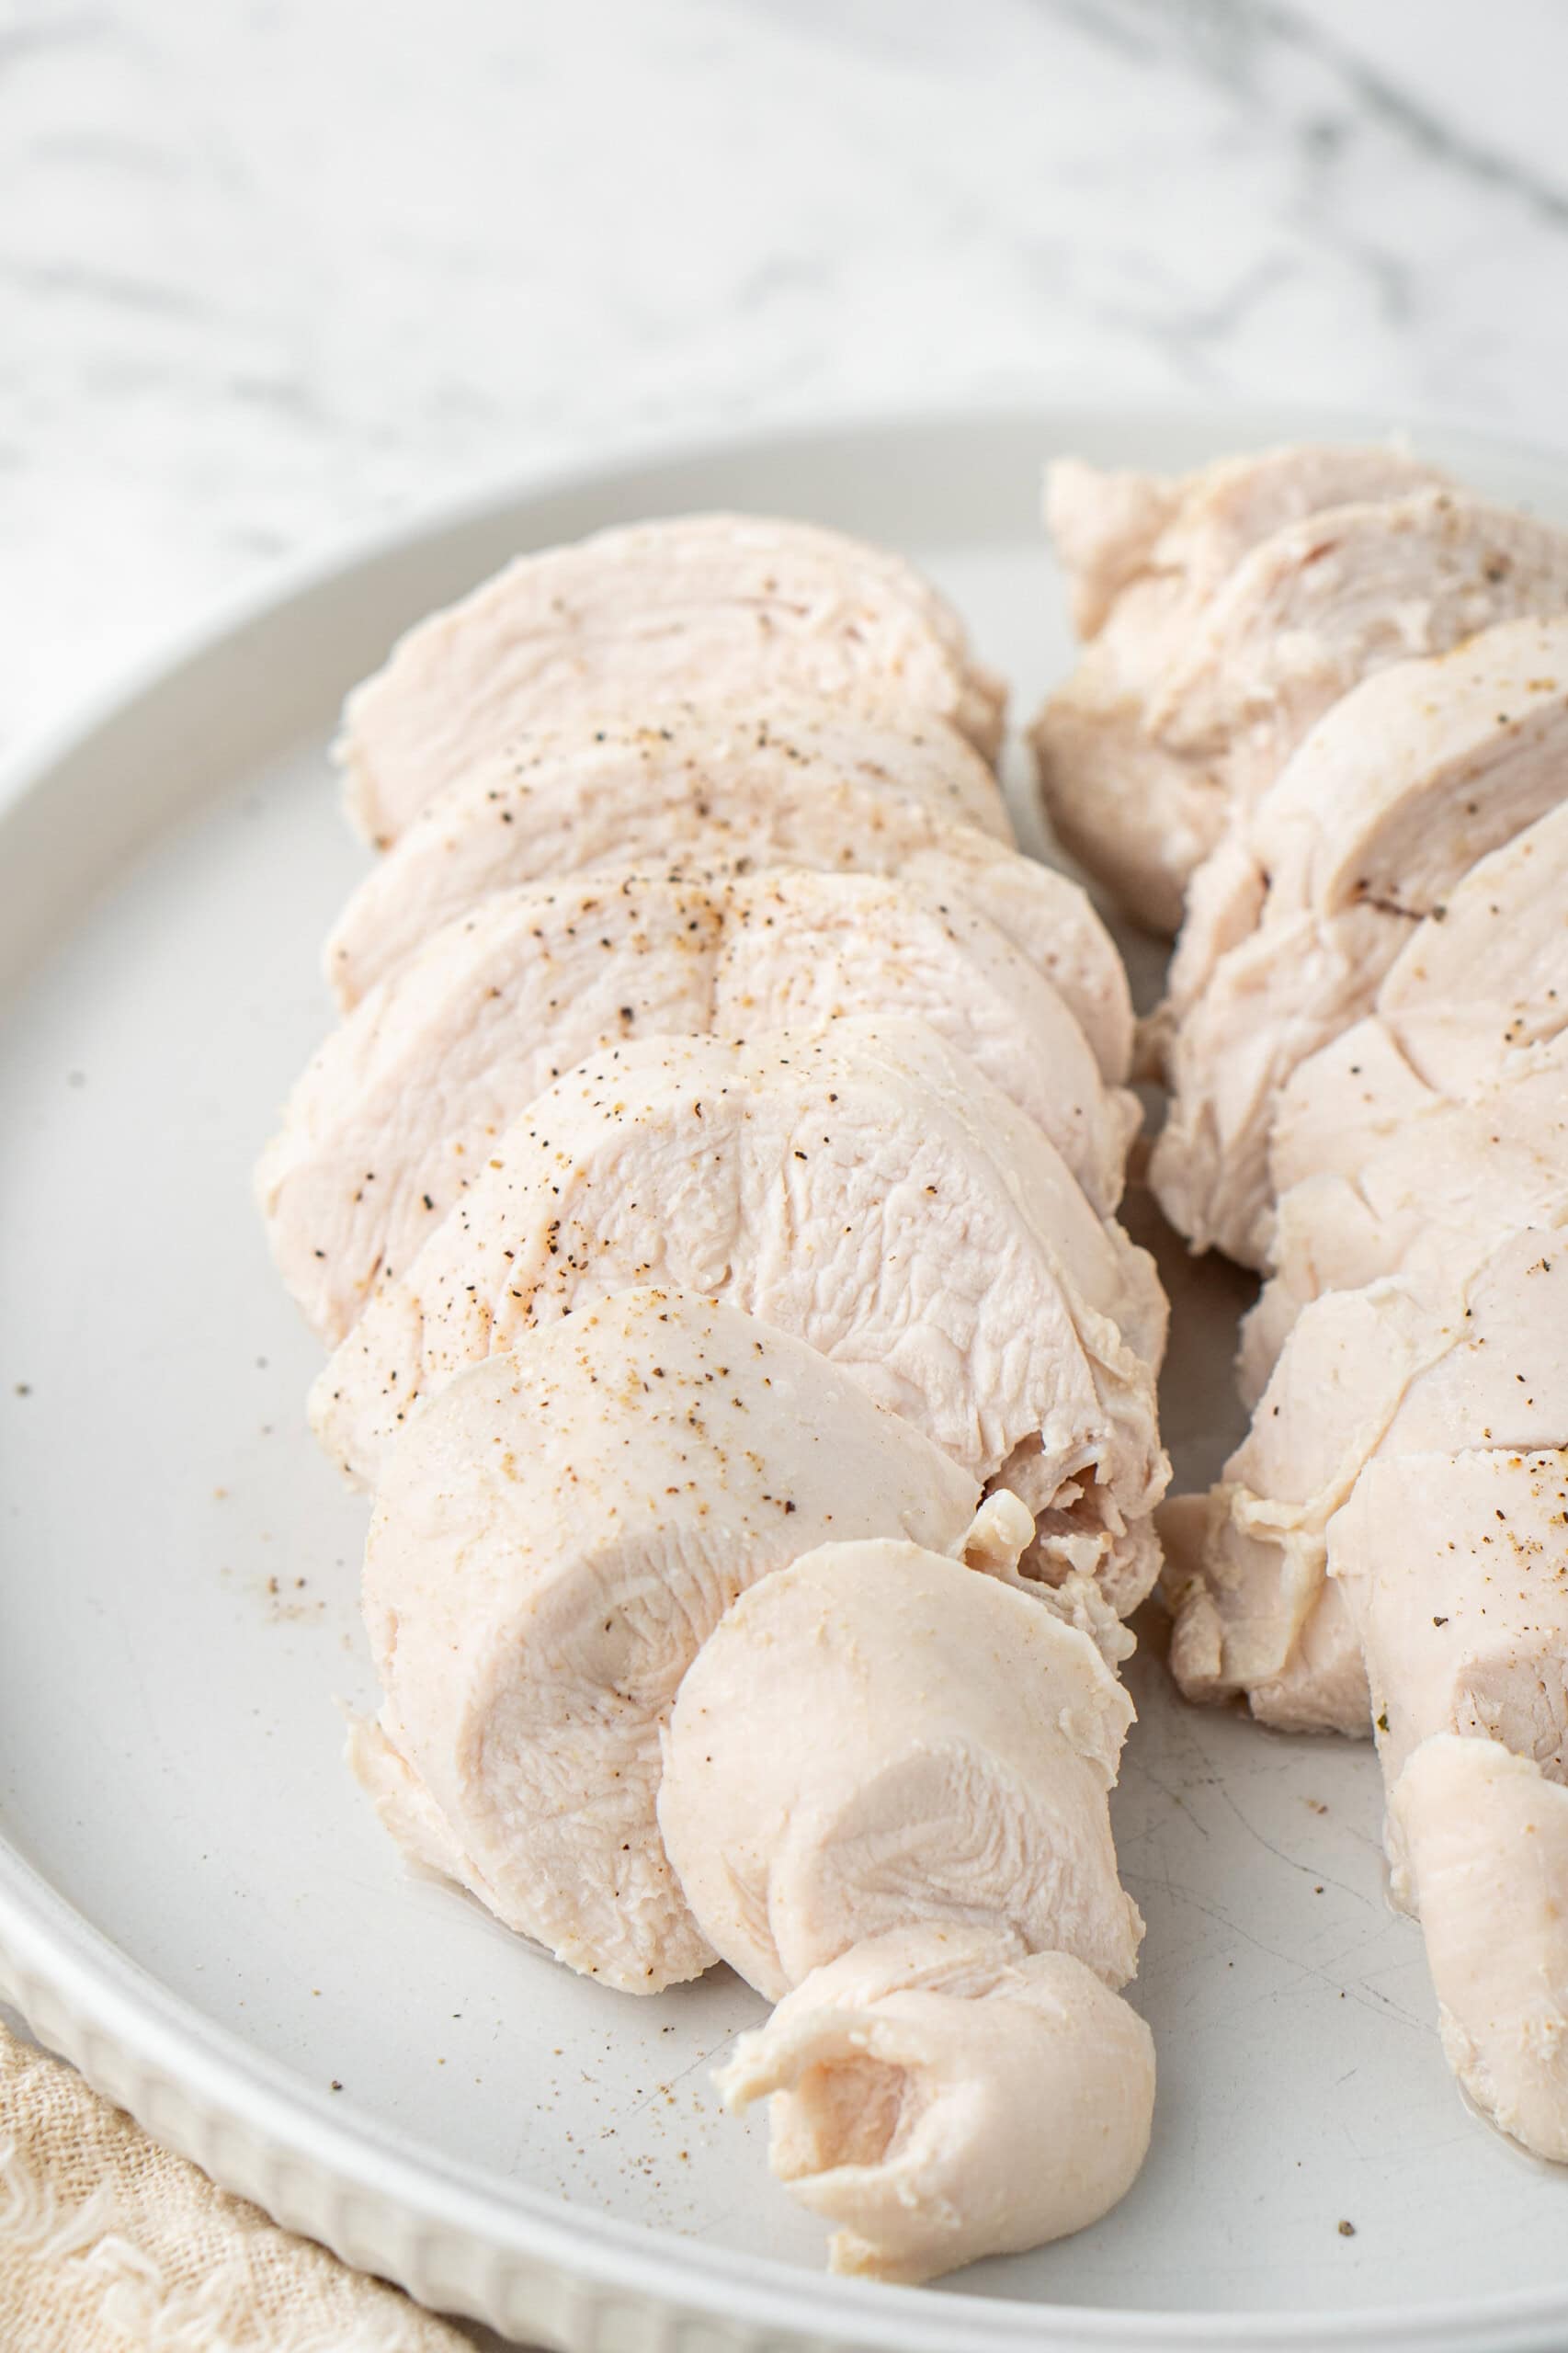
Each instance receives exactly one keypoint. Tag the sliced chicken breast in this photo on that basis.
(397, 1114)
(1475, 986)
(1452, 1569)
(1444, 1109)
(1114, 528)
(1423, 1176)
(938, 2095)
(1335, 596)
(1294, 923)
(877, 1737)
(553, 1541)
(713, 797)
(865, 1189)
(1479, 1839)
(1462, 1359)
(656, 613)
(1211, 709)
(1146, 557)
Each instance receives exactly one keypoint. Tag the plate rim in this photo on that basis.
(204, 2090)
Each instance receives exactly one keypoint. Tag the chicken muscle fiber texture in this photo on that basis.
(1444, 1108)
(553, 1538)
(1218, 704)
(864, 1188)
(1295, 920)
(713, 795)
(653, 613)
(1424, 1174)
(1445, 1360)
(399, 1110)
(940, 2096)
(695, 772)
(1146, 556)
(1473, 989)
(1452, 1567)
(879, 1737)
(886, 1783)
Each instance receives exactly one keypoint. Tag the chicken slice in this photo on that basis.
(1370, 1379)
(1334, 596)
(397, 1113)
(877, 1737)
(1114, 528)
(1196, 720)
(1295, 921)
(1452, 1569)
(1477, 984)
(712, 795)
(553, 1541)
(865, 1189)
(1479, 1839)
(1415, 1175)
(721, 746)
(1488, 978)
(939, 2096)
(1444, 1108)
(1146, 557)
(650, 614)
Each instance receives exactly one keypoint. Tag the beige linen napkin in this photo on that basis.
(109, 2245)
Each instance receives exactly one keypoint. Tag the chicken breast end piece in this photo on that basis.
(939, 2096)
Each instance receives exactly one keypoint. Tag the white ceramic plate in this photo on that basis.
(194, 1902)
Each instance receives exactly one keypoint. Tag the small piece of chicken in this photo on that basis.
(865, 1189)
(553, 1540)
(654, 613)
(710, 793)
(938, 2095)
(1462, 1359)
(1199, 713)
(399, 1110)
(1296, 919)
(1146, 556)
(1453, 1571)
(876, 1737)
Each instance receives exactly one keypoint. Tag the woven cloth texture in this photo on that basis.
(110, 2243)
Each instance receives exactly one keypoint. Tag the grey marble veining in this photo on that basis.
(270, 272)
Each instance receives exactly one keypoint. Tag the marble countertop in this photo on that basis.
(274, 271)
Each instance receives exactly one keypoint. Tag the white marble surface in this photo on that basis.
(273, 271)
